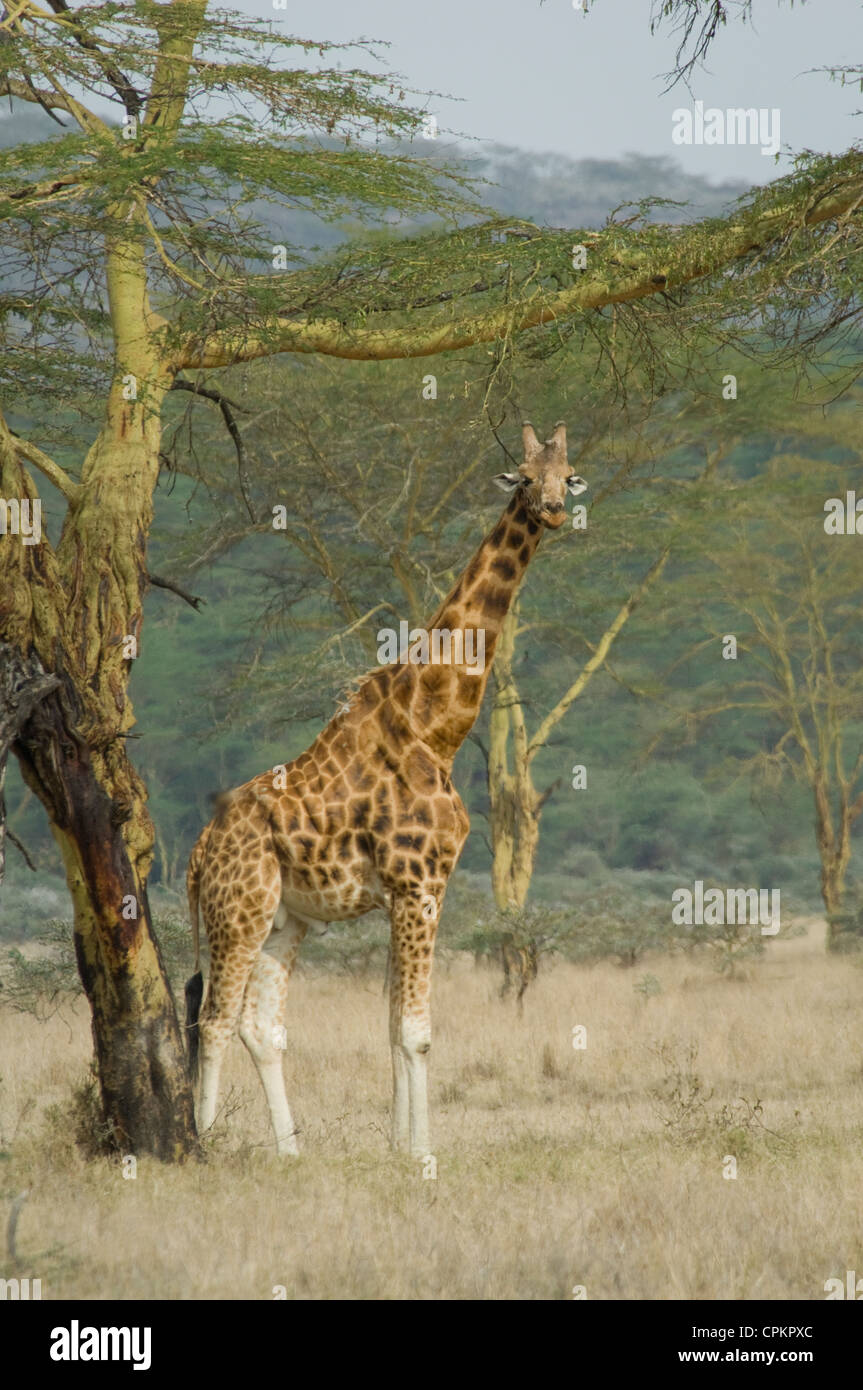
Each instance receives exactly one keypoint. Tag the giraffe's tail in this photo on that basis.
(194, 985)
(194, 995)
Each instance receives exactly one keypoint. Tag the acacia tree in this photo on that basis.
(665, 458)
(515, 801)
(114, 212)
(784, 583)
(130, 256)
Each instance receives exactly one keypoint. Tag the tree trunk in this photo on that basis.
(144, 1084)
(832, 894)
(76, 609)
(834, 852)
(514, 806)
(527, 817)
(79, 609)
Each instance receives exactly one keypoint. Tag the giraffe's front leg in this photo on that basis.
(414, 918)
(401, 1104)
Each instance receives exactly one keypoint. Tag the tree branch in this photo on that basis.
(226, 407)
(167, 96)
(549, 791)
(21, 848)
(56, 100)
(698, 253)
(603, 647)
(52, 471)
(192, 599)
(47, 190)
(115, 76)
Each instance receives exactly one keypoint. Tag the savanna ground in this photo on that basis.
(600, 1167)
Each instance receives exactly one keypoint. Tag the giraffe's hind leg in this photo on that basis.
(227, 983)
(262, 1022)
(237, 926)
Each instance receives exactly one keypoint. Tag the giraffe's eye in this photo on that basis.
(575, 485)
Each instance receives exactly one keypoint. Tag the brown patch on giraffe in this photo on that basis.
(496, 602)
(466, 685)
(504, 568)
(404, 841)
(433, 679)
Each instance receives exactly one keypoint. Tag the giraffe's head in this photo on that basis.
(545, 477)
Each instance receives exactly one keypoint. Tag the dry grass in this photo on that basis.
(556, 1167)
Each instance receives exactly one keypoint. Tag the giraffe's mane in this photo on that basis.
(354, 687)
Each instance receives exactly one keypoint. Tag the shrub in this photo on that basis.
(43, 984)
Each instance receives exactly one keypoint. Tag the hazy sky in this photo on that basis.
(548, 77)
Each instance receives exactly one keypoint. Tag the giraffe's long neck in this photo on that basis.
(442, 699)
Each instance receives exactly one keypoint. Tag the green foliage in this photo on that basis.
(648, 986)
(686, 1109)
(472, 922)
(44, 984)
(731, 944)
(245, 123)
(349, 948)
(615, 921)
(79, 1121)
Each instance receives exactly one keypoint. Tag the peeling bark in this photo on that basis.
(139, 1052)
(23, 684)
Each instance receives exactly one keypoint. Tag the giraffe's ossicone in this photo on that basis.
(366, 818)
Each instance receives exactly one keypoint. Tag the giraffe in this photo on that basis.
(366, 818)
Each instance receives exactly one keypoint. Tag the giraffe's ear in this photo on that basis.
(508, 482)
(575, 485)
